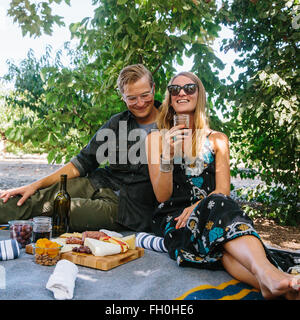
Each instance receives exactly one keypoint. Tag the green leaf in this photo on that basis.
(133, 15)
(125, 42)
(51, 156)
(74, 27)
(121, 2)
(179, 60)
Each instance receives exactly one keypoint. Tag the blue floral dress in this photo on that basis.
(215, 220)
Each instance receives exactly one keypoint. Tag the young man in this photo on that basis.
(116, 197)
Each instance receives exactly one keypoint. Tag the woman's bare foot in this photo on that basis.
(275, 283)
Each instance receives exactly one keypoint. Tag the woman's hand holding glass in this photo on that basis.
(172, 140)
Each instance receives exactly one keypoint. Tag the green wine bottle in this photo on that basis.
(61, 209)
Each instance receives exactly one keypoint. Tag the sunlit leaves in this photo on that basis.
(35, 18)
(266, 99)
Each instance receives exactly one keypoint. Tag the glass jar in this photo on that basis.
(21, 230)
(46, 252)
(42, 228)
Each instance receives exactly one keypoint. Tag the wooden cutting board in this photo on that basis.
(101, 263)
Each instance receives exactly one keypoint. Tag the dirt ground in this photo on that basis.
(17, 171)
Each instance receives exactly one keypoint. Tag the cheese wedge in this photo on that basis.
(123, 244)
(130, 240)
(101, 248)
(65, 247)
(112, 233)
(74, 234)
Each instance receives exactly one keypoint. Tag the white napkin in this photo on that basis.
(62, 280)
(9, 249)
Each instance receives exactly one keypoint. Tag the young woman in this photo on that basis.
(190, 174)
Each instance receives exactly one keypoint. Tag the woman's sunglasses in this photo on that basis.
(189, 88)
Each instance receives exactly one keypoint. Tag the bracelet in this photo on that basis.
(166, 165)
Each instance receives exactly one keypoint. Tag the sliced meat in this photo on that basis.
(93, 234)
(73, 240)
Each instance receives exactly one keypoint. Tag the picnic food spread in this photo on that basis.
(94, 249)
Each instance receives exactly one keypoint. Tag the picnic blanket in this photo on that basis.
(147, 278)
(231, 290)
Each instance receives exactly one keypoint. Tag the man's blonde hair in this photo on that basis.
(133, 73)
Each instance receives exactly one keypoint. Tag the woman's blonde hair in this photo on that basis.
(201, 121)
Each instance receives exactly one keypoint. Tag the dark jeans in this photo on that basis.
(90, 209)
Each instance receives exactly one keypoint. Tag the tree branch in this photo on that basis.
(156, 69)
(77, 115)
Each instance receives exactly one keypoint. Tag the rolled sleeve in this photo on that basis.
(78, 166)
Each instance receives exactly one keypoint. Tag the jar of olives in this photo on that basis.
(21, 230)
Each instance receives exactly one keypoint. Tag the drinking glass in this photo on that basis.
(182, 119)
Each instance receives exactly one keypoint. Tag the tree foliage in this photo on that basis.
(68, 103)
(121, 32)
(266, 99)
(35, 18)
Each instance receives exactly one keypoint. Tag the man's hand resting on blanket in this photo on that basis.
(183, 218)
(25, 192)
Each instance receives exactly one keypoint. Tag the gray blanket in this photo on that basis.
(152, 277)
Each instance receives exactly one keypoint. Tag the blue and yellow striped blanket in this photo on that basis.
(231, 290)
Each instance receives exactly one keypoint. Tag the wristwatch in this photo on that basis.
(166, 165)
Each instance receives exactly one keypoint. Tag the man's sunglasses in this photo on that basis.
(189, 88)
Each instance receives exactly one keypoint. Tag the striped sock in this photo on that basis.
(9, 249)
(149, 241)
